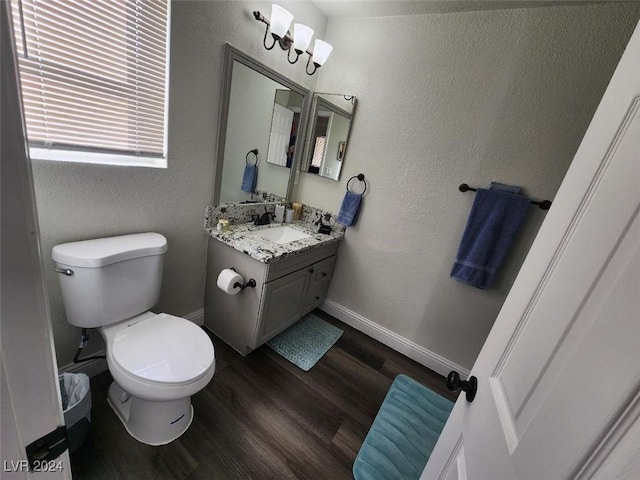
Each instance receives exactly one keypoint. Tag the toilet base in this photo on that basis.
(153, 423)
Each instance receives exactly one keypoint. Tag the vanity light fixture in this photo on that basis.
(279, 26)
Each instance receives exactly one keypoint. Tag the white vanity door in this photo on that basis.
(281, 304)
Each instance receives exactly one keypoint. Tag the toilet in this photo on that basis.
(158, 361)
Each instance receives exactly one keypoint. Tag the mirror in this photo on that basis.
(332, 115)
(261, 110)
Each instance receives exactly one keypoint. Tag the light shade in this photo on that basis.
(321, 51)
(280, 21)
(301, 37)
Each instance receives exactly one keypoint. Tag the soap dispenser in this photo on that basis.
(279, 217)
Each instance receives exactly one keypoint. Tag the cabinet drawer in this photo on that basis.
(288, 265)
(315, 297)
(322, 271)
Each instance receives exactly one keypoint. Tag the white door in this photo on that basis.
(280, 135)
(559, 375)
(30, 404)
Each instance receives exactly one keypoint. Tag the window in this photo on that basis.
(318, 152)
(94, 78)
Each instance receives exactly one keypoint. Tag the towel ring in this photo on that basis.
(255, 152)
(360, 177)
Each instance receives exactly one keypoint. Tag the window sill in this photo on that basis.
(96, 158)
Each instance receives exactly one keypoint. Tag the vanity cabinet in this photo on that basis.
(286, 289)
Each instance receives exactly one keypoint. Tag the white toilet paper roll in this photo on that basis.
(227, 279)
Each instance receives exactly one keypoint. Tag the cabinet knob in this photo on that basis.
(311, 270)
(317, 298)
(324, 274)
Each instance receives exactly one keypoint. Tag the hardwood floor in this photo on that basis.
(260, 417)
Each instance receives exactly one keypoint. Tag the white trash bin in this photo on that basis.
(76, 405)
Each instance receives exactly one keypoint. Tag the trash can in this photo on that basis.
(76, 405)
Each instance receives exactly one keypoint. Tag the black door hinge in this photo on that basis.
(49, 447)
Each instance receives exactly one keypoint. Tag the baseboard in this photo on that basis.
(196, 317)
(91, 367)
(391, 339)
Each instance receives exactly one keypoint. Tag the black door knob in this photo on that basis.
(470, 387)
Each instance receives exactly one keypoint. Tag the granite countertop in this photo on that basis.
(240, 237)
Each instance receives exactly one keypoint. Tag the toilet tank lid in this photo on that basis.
(105, 251)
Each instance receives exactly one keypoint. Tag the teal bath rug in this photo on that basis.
(306, 341)
(403, 433)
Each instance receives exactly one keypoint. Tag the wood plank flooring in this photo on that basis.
(261, 417)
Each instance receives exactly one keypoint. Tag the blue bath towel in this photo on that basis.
(249, 178)
(349, 209)
(503, 187)
(491, 227)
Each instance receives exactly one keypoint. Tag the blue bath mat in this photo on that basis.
(403, 433)
(306, 341)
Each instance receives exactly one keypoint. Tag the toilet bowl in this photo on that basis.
(157, 361)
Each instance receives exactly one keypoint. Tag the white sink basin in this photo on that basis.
(282, 234)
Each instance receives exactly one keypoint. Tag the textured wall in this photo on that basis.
(78, 201)
(445, 99)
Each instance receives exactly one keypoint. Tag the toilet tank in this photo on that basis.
(113, 278)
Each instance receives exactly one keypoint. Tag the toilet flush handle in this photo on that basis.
(65, 271)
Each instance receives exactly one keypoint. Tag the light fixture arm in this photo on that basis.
(285, 43)
(315, 67)
(264, 40)
(298, 53)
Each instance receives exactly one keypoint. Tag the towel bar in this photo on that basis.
(543, 204)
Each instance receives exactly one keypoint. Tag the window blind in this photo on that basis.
(94, 74)
(318, 152)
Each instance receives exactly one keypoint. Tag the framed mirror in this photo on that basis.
(328, 138)
(262, 111)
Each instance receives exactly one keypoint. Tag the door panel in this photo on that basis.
(29, 389)
(457, 469)
(531, 366)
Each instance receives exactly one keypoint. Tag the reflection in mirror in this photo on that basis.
(284, 125)
(332, 115)
(261, 110)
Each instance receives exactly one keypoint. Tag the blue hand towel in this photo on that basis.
(349, 209)
(249, 178)
(492, 224)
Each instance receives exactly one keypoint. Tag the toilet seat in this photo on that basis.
(163, 349)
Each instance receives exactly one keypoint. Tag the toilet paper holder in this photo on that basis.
(251, 283)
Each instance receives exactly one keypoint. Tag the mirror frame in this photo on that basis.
(316, 103)
(232, 54)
